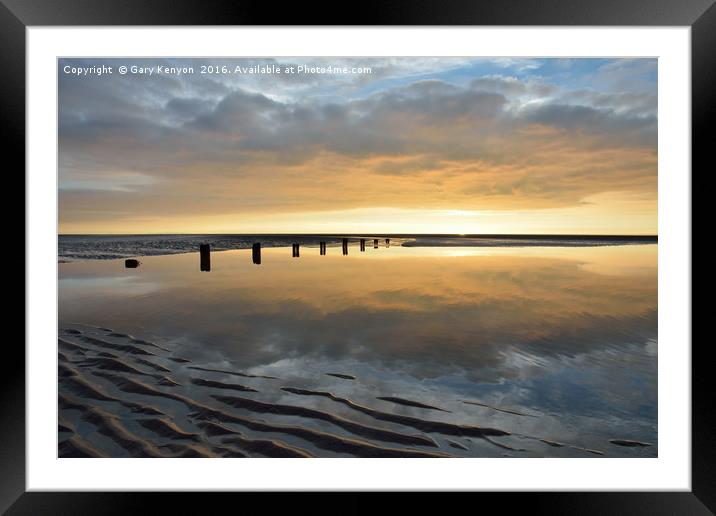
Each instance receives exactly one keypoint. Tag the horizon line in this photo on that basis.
(397, 235)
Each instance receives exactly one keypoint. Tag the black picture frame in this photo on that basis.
(700, 15)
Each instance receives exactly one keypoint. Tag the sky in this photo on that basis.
(388, 145)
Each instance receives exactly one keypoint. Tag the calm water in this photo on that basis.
(557, 346)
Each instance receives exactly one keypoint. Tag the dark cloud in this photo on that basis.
(637, 128)
(187, 108)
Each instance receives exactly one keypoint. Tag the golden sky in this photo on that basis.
(418, 145)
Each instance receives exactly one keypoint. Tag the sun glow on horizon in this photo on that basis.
(594, 218)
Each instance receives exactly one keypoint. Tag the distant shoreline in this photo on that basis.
(522, 236)
(109, 247)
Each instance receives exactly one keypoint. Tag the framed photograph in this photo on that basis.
(445, 248)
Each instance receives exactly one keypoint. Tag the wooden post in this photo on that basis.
(362, 244)
(295, 251)
(322, 246)
(387, 242)
(256, 253)
(205, 257)
(345, 246)
(131, 263)
(375, 243)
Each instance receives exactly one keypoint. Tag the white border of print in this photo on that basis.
(670, 471)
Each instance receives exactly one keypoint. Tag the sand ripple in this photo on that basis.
(128, 401)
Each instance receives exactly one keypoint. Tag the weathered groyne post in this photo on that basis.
(387, 242)
(345, 246)
(131, 263)
(256, 253)
(205, 257)
(362, 244)
(375, 243)
(295, 251)
(322, 246)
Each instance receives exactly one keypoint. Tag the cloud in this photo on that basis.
(512, 86)
(401, 136)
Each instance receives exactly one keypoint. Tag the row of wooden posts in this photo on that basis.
(205, 251)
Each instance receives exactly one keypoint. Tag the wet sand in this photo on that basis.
(88, 374)
(528, 353)
(120, 404)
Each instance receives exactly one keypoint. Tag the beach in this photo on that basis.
(409, 348)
